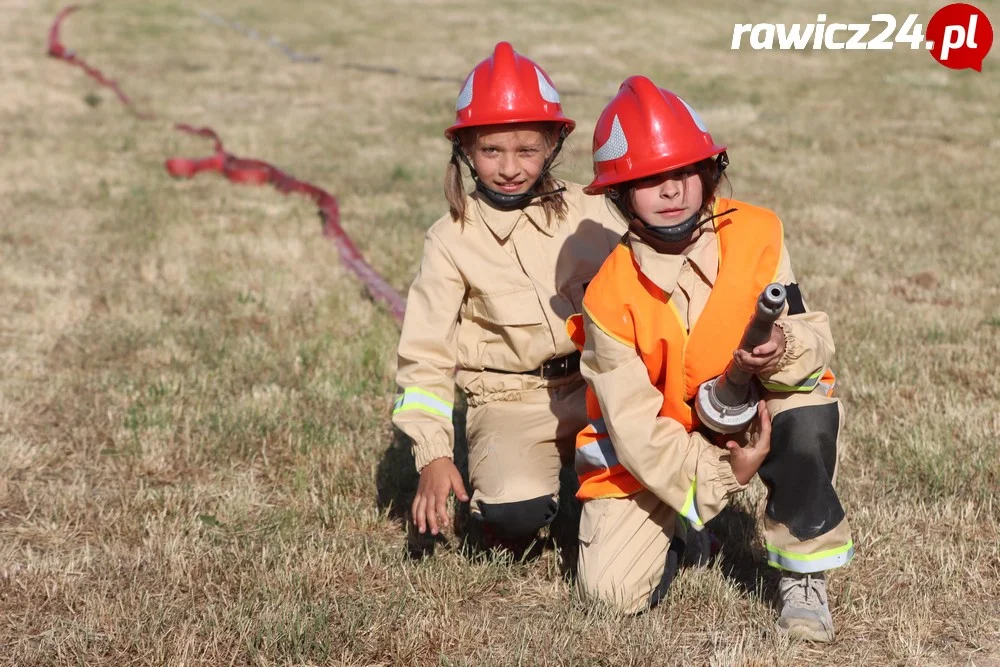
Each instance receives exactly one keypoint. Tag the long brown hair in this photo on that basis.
(454, 186)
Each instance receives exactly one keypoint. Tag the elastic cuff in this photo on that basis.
(792, 351)
(727, 479)
(712, 488)
(718, 460)
(430, 451)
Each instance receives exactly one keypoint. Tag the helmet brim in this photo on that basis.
(600, 183)
(566, 122)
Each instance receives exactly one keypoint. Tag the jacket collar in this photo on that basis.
(502, 223)
(663, 269)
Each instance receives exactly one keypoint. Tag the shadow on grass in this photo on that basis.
(744, 561)
(396, 481)
(564, 533)
(744, 564)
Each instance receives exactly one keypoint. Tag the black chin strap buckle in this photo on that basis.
(721, 162)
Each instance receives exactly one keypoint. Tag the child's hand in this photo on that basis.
(437, 480)
(745, 461)
(764, 358)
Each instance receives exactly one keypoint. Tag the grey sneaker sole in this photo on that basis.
(807, 632)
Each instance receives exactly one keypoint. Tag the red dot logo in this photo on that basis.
(959, 36)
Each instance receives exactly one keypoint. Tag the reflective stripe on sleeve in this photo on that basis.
(806, 385)
(689, 511)
(415, 398)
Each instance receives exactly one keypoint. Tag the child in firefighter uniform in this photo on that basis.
(499, 276)
(665, 314)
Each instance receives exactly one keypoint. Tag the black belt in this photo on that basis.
(559, 367)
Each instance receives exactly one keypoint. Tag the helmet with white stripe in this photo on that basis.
(507, 88)
(646, 130)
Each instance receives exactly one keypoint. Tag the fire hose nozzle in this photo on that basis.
(726, 404)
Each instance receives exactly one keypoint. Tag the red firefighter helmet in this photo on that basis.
(507, 88)
(646, 130)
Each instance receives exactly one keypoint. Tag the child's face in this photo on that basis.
(509, 159)
(668, 199)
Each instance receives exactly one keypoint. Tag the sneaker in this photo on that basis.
(805, 613)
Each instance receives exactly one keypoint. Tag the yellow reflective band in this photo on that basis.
(415, 398)
(810, 563)
(807, 385)
(689, 511)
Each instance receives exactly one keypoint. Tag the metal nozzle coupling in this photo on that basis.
(772, 301)
(727, 403)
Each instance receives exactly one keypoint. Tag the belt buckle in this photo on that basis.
(553, 366)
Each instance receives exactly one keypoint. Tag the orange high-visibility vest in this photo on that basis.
(630, 308)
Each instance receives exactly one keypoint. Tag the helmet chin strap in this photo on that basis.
(502, 200)
(679, 232)
(682, 231)
(673, 234)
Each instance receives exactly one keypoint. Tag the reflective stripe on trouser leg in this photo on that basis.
(810, 563)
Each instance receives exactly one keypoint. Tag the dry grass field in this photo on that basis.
(197, 465)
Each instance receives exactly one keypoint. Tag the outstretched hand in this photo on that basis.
(430, 506)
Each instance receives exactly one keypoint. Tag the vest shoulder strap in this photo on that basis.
(749, 225)
(608, 296)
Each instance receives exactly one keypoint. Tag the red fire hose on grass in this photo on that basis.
(247, 171)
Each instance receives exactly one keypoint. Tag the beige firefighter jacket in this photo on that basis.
(493, 293)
